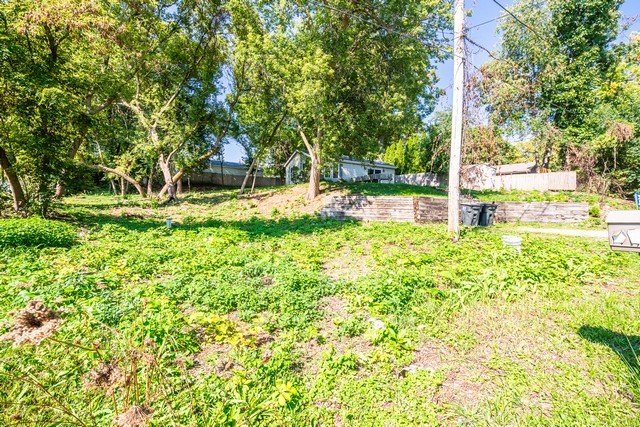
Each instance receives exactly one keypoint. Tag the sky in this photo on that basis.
(482, 25)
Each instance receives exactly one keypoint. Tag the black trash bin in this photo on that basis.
(470, 213)
(487, 214)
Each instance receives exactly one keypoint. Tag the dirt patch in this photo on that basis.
(335, 308)
(136, 416)
(106, 376)
(347, 266)
(291, 200)
(32, 324)
(462, 372)
(211, 358)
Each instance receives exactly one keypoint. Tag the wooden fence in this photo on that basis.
(421, 179)
(428, 209)
(552, 181)
(217, 179)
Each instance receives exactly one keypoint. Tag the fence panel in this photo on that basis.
(552, 181)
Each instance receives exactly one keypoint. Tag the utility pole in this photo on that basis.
(456, 121)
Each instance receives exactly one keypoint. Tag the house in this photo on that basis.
(346, 169)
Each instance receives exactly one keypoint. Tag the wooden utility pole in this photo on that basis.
(456, 121)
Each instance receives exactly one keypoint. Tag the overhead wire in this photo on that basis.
(448, 52)
(521, 22)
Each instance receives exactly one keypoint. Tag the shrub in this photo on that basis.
(35, 232)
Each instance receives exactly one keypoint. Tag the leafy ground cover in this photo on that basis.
(240, 314)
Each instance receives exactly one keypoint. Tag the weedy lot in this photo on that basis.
(252, 312)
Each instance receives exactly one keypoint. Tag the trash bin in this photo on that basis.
(470, 213)
(487, 214)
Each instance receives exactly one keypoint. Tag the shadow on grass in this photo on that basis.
(627, 347)
(254, 227)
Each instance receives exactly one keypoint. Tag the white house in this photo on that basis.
(346, 169)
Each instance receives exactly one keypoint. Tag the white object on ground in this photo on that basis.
(514, 242)
(377, 324)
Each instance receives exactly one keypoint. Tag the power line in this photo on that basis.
(521, 22)
(563, 109)
(486, 22)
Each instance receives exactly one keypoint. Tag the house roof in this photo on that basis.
(347, 159)
(293, 155)
(515, 168)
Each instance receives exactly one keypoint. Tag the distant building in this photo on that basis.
(346, 169)
(229, 168)
(517, 168)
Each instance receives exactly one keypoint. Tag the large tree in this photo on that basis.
(553, 58)
(352, 76)
(55, 75)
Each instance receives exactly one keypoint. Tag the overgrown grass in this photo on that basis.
(233, 318)
(35, 232)
(376, 189)
(549, 196)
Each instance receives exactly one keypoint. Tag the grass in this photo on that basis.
(236, 317)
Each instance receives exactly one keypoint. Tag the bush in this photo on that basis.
(35, 232)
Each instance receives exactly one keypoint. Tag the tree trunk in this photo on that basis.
(246, 177)
(122, 188)
(546, 158)
(179, 186)
(19, 199)
(60, 189)
(314, 174)
(314, 178)
(168, 179)
(150, 181)
(60, 185)
(253, 184)
(122, 175)
(113, 186)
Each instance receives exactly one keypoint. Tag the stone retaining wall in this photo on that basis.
(428, 209)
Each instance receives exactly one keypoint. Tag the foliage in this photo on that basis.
(342, 80)
(561, 83)
(35, 232)
(221, 320)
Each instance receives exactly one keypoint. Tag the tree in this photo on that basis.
(554, 56)
(54, 77)
(353, 76)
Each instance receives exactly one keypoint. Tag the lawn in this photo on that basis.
(246, 313)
